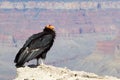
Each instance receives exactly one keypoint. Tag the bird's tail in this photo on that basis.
(20, 58)
(19, 65)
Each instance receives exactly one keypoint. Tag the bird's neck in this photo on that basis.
(48, 30)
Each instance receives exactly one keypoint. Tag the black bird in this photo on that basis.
(36, 47)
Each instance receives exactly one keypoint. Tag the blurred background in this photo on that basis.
(87, 33)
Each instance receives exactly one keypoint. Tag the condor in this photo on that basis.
(36, 47)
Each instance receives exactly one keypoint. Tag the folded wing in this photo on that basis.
(33, 48)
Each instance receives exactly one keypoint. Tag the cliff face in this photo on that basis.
(61, 5)
(46, 72)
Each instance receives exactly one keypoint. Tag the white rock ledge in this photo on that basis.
(47, 72)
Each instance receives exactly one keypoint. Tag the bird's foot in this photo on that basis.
(42, 63)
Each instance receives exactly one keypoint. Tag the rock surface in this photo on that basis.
(47, 72)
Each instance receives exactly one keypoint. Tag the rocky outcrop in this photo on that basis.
(47, 72)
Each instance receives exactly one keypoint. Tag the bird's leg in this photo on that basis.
(41, 61)
(37, 61)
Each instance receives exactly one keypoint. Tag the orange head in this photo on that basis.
(50, 27)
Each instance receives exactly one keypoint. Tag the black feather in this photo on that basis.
(35, 47)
